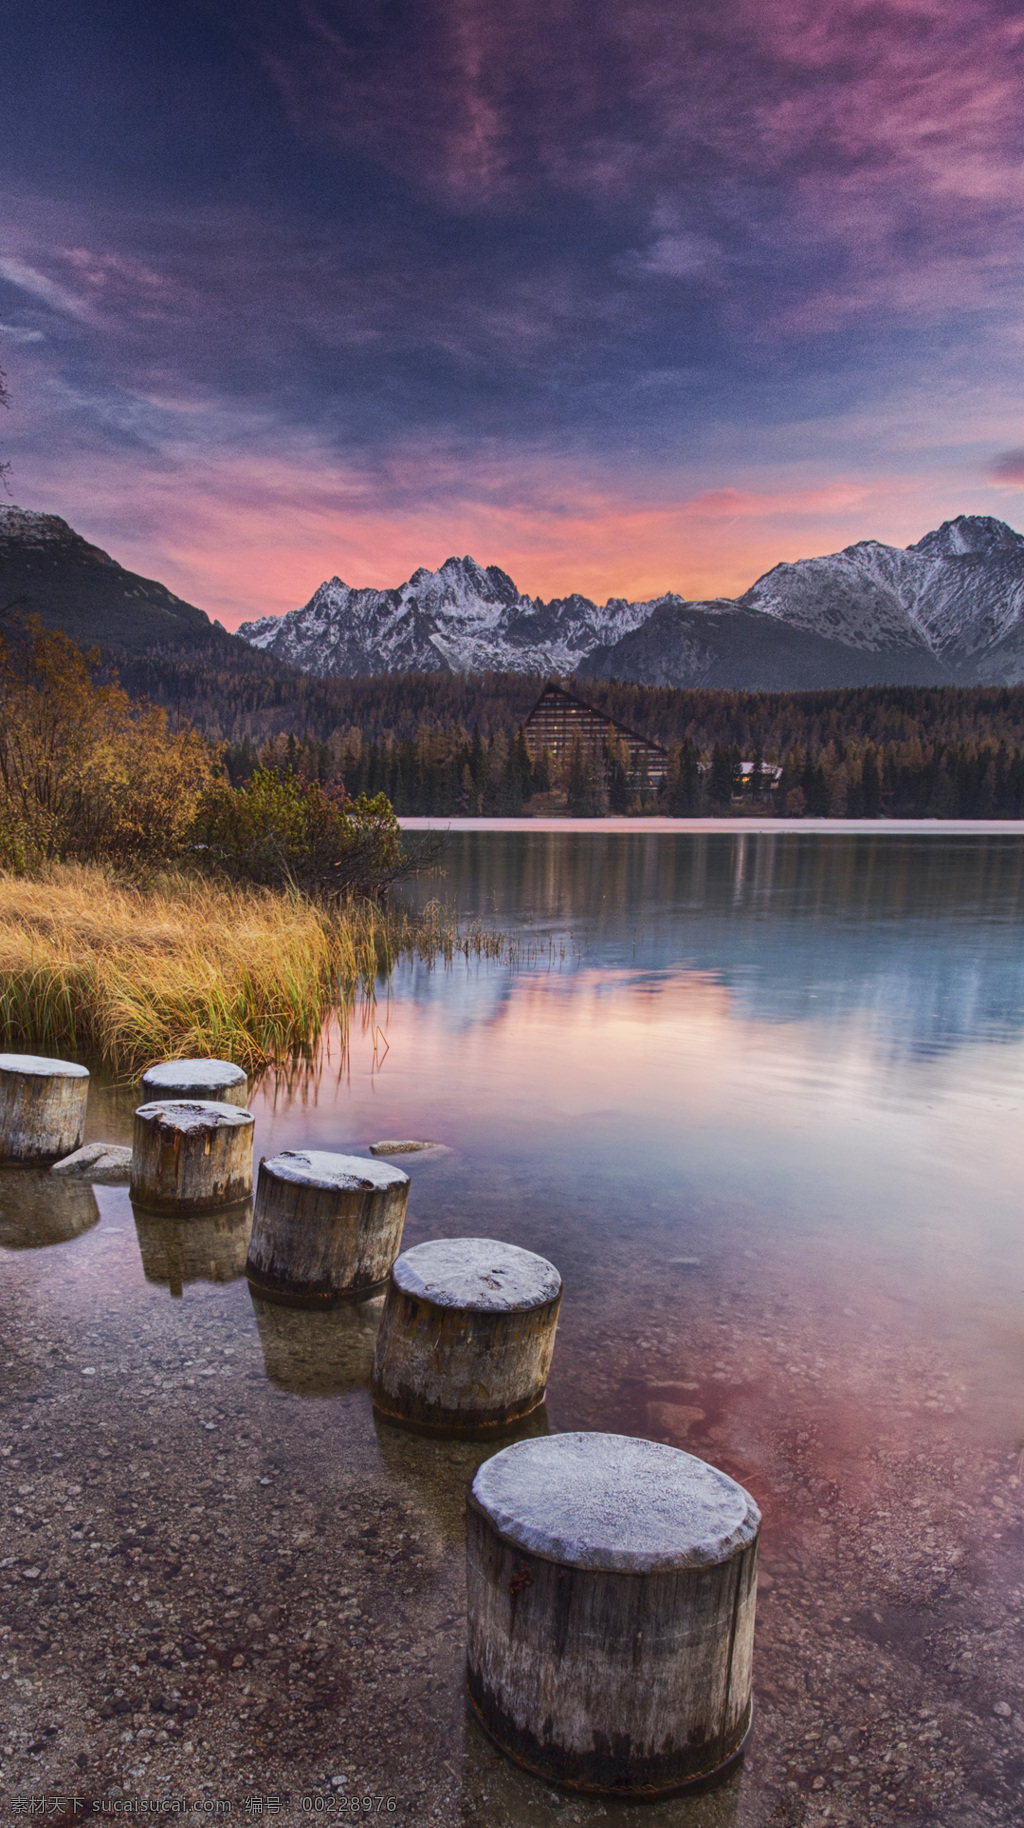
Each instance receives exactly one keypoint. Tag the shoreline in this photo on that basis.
(943, 828)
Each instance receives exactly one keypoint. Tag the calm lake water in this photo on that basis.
(759, 1098)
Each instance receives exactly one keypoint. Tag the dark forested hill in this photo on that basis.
(49, 570)
(268, 698)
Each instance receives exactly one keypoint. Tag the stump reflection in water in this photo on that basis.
(317, 1351)
(437, 1472)
(38, 1208)
(209, 1247)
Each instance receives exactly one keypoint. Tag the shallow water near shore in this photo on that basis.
(759, 1097)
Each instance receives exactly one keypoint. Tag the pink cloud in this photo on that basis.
(29, 279)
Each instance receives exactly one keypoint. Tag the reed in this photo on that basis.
(98, 968)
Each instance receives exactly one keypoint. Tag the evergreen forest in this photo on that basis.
(450, 743)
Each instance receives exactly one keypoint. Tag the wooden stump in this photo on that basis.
(42, 1108)
(327, 1227)
(190, 1156)
(317, 1351)
(611, 1585)
(36, 1210)
(196, 1247)
(466, 1337)
(206, 1079)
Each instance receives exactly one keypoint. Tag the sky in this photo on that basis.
(623, 296)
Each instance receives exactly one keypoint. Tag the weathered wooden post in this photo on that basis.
(317, 1351)
(327, 1227)
(190, 1155)
(611, 1585)
(466, 1337)
(36, 1211)
(216, 1079)
(42, 1108)
(195, 1247)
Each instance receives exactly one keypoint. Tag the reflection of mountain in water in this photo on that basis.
(916, 938)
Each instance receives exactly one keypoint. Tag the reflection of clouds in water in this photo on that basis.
(922, 999)
(918, 991)
(915, 943)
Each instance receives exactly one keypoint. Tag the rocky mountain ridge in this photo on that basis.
(947, 610)
(464, 617)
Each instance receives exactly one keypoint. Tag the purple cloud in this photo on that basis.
(1008, 467)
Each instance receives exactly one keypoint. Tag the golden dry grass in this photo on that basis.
(97, 968)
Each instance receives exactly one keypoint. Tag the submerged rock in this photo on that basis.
(407, 1148)
(107, 1163)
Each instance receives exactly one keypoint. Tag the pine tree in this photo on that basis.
(683, 786)
(620, 792)
(870, 786)
(477, 762)
(721, 779)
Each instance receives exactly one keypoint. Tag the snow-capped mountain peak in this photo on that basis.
(463, 616)
(978, 534)
(30, 527)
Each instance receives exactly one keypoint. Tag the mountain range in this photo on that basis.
(947, 610)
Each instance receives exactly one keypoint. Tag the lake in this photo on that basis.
(758, 1096)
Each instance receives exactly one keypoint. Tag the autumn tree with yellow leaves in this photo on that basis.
(84, 771)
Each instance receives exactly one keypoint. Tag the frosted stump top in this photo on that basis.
(47, 1069)
(334, 1173)
(477, 1273)
(609, 1501)
(170, 1075)
(195, 1113)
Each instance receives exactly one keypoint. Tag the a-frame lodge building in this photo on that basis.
(558, 721)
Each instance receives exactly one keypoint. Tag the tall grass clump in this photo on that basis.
(99, 968)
